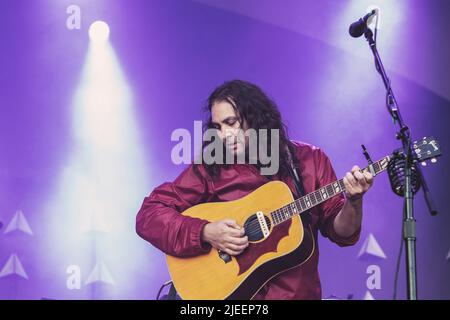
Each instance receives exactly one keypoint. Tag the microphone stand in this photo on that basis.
(404, 134)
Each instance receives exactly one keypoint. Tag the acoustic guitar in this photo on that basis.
(278, 238)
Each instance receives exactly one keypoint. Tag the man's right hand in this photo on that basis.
(225, 235)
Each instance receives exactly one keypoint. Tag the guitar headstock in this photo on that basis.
(426, 149)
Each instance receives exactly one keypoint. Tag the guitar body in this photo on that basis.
(219, 276)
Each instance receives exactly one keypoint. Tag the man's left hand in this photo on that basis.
(357, 183)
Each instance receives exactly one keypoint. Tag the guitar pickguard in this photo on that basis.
(255, 250)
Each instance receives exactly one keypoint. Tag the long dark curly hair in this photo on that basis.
(259, 111)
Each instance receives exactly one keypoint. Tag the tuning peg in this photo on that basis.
(433, 160)
(423, 163)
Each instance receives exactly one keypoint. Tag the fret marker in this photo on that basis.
(308, 204)
(336, 187)
(294, 209)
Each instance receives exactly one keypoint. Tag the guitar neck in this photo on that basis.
(322, 194)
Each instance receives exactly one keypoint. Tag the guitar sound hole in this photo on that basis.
(253, 229)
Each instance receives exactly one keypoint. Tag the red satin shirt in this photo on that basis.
(159, 220)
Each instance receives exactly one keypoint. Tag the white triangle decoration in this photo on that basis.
(448, 256)
(100, 274)
(371, 248)
(19, 222)
(368, 296)
(13, 266)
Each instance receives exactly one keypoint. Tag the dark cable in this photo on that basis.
(161, 289)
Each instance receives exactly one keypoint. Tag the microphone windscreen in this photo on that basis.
(357, 28)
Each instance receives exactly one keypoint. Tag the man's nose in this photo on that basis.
(227, 133)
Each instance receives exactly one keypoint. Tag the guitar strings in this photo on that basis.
(252, 226)
(253, 229)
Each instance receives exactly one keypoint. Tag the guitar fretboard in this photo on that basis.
(322, 194)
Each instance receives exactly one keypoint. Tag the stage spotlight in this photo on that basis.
(88, 227)
(99, 31)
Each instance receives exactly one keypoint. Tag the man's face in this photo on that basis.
(227, 122)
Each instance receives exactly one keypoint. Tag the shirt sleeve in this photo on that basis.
(331, 207)
(159, 220)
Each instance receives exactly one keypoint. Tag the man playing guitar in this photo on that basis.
(239, 105)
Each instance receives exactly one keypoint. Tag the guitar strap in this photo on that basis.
(306, 215)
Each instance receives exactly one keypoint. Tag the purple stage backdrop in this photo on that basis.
(85, 129)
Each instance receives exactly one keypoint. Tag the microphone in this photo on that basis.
(357, 28)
